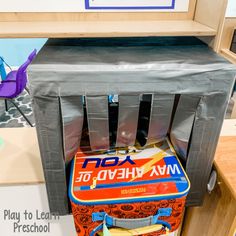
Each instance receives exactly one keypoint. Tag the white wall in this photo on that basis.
(16, 51)
(231, 9)
(79, 5)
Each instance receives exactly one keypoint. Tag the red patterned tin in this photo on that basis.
(132, 192)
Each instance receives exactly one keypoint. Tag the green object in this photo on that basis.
(1, 142)
(105, 230)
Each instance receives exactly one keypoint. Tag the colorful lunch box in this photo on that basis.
(128, 192)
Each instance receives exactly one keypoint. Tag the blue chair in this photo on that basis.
(3, 73)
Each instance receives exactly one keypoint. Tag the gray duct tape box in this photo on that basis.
(188, 84)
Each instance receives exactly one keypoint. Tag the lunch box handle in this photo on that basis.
(124, 223)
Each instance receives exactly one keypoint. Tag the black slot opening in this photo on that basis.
(113, 122)
(84, 142)
(144, 119)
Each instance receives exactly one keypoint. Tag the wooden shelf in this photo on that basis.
(228, 55)
(225, 161)
(219, 207)
(53, 29)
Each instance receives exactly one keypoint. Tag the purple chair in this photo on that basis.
(15, 83)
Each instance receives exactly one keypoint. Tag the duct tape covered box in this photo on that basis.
(141, 192)
(174, 87)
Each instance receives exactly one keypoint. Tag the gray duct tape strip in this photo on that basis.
(127, 120)
(72, 118)
(183, 122)
(202, 148)
(160, 117)
(47, 118)
(98, 124)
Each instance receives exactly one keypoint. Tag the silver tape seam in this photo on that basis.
(72, 119)
(183, 122)
(161, 110)
(127, 120)
(98, 123)
(48, 125)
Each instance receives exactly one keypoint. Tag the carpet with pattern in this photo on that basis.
(12, 117)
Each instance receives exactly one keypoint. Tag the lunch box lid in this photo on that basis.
(121, 176)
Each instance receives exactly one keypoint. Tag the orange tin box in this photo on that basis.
(135, 192)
